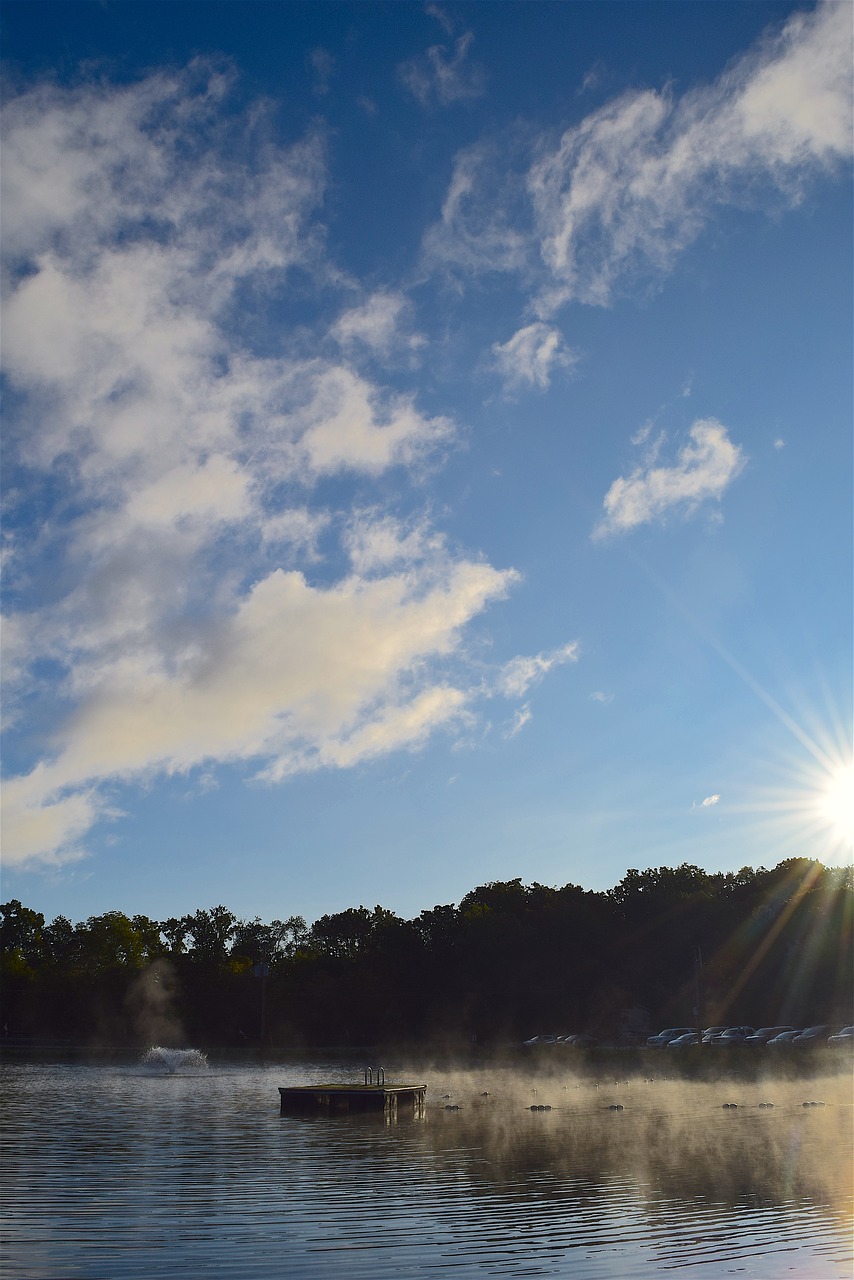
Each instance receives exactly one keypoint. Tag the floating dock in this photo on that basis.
(391, 1100)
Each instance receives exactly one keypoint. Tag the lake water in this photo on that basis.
(134, 1171)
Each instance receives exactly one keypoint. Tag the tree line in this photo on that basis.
(665, 945)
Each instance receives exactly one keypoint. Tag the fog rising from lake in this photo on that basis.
(175, 1168)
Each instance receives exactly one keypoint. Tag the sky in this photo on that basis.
(427, 448)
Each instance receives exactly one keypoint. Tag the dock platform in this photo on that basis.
(391, 1100)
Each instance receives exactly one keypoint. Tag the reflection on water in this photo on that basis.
(124, 1172)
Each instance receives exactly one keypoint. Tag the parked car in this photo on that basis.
(843, 1037)
(683, 1041)
(735, 1035)
(546, 1039)
(783, 1040)
(711, 1034)
(580, 1041)
(664, 1037)
(811, 1035)
(764, 1034)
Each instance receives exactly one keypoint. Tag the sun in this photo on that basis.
(834, 803)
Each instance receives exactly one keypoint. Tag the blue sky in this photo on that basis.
(427, 448)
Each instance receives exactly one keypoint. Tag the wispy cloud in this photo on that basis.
(381, 325)
(322, 65)
(444, 75)
(531, 355)
(623, 192)
(708, 803)
(705, 466)
(518, 675)
(520, 719)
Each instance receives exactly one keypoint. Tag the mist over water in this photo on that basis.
(149, 1172)
(151, 1003)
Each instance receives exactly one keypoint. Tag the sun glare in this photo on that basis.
(835, 804)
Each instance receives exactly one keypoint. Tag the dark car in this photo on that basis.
(764, 1034)
(811, 1035)
(664, 1037)
(783, 1040)
(843, 1037)
(582, 1040)
(734, 1035)
(684, 1042)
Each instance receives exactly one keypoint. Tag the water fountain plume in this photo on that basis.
(174, 1059)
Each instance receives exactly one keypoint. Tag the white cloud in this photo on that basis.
(299, 676)
(180, 467)
(481, 228)
(624, 191)
(347, 422)
(532, 354)
(380, 325)
(443, 76)
(520, 719)
(708, 803)
(631, 186)
(705, 467)
(377, 542)
(297, 528)
(600, 696)
(518, 675)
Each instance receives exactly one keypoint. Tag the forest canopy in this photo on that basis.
(676, 945)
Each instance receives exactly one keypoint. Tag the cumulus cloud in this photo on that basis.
(531, 355)
(159, 606)
(624, 191)
(518, 675)
(705, 467)
(708, 803)
(443, 75)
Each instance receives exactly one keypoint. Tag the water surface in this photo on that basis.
(140, 1171)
